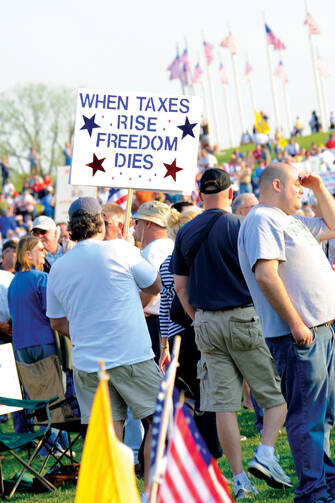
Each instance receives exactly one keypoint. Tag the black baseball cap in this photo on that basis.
(214, 180)
(9, 244)
(87, 205)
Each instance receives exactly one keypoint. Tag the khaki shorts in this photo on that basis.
(135, 386)
(232, 347)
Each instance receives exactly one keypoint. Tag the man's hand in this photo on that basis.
(302, 335)
(164, 359)
(310, 180)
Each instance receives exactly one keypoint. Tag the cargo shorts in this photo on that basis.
(233, 347)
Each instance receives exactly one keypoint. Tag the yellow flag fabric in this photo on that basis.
(282, 142)
(107, 467)
(260, 124)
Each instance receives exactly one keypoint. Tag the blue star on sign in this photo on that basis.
(89, 124)
(187, 128)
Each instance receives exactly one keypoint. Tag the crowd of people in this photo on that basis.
(224, 268)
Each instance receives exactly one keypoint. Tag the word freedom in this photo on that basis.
(144, 103)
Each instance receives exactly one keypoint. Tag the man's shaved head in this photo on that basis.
(279, 171)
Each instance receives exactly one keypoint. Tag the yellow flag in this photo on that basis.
(282, 142)
(107, 467)
(260, 124)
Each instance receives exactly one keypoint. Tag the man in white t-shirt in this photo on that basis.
(92, 296)
(293, 289)
(151, 233)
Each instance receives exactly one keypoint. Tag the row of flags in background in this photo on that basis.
(180, 67)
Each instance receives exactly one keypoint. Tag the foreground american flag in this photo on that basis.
(192, 474)
(118, 196)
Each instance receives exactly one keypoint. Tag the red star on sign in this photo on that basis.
(172, 169)
(96, 165)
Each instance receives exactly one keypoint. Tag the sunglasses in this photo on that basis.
(39, 232)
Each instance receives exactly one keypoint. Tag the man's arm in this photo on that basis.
(181, 286)
(61, 325)
(271, 284)
(325, 200)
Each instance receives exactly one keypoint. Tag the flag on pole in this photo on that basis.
(247, 71)
(273, 40)
(313, 27)
(184, 74)
(229, 43)
(281, 72)
(107, 466)
(223, 75)
(208, 48)
(323, 70)
(118, 196)
(192, 474)
(175, 68)
(197, 74)
(260, 124)
(185, 60)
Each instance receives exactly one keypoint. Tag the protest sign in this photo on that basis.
(66, 193)
(329, 180)
(138, 141)
(9, 381)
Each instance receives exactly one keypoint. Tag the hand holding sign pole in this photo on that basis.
(136, 141)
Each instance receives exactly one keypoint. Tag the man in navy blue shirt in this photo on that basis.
(212, 290)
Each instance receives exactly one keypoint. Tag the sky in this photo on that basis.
(126, 46)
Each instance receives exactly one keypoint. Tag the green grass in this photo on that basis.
(303, 141)
(66, 493)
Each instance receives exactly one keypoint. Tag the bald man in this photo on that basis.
(292, 286)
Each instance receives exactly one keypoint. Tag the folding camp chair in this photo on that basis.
(9, 442)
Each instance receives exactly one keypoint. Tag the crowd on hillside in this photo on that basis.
(117, 302)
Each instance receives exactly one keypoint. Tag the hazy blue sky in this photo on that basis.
(127, 45)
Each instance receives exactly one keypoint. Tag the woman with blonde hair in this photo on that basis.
(33, 338)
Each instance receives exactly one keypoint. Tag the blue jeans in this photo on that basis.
(308, 385)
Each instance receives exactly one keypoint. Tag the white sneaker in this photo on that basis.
(244, 489)
(270, 471)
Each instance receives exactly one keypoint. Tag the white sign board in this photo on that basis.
(140, 141)
(9, 381)
(66, 193)
(329, 180)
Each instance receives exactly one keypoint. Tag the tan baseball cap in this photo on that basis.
(153, 211)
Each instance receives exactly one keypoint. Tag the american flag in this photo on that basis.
(118, 196)
(185, 60)
(281, 72)
(273, 40)
(192, 474)
(175, 68)
(223, 75)
(323, 70)
(313, 27)
(208, 48)
(184, 74)
(229, 43)
(197, 74)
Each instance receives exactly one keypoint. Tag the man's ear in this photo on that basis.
(200, 196)
(230, 193)
(276, 184)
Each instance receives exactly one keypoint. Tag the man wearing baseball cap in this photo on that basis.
(151, 233)
(92, 296)
(211, 287)
(46, 230)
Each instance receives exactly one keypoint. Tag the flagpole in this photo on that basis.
(212, 95)
(228, 112)
(165, 416)
(273, 86)
(205, 114)
(288, 109)
(325, 103)
(180, 79)
(128, 213)
(252, 94)
(237, 87)
(189, 73)
(316, 74)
